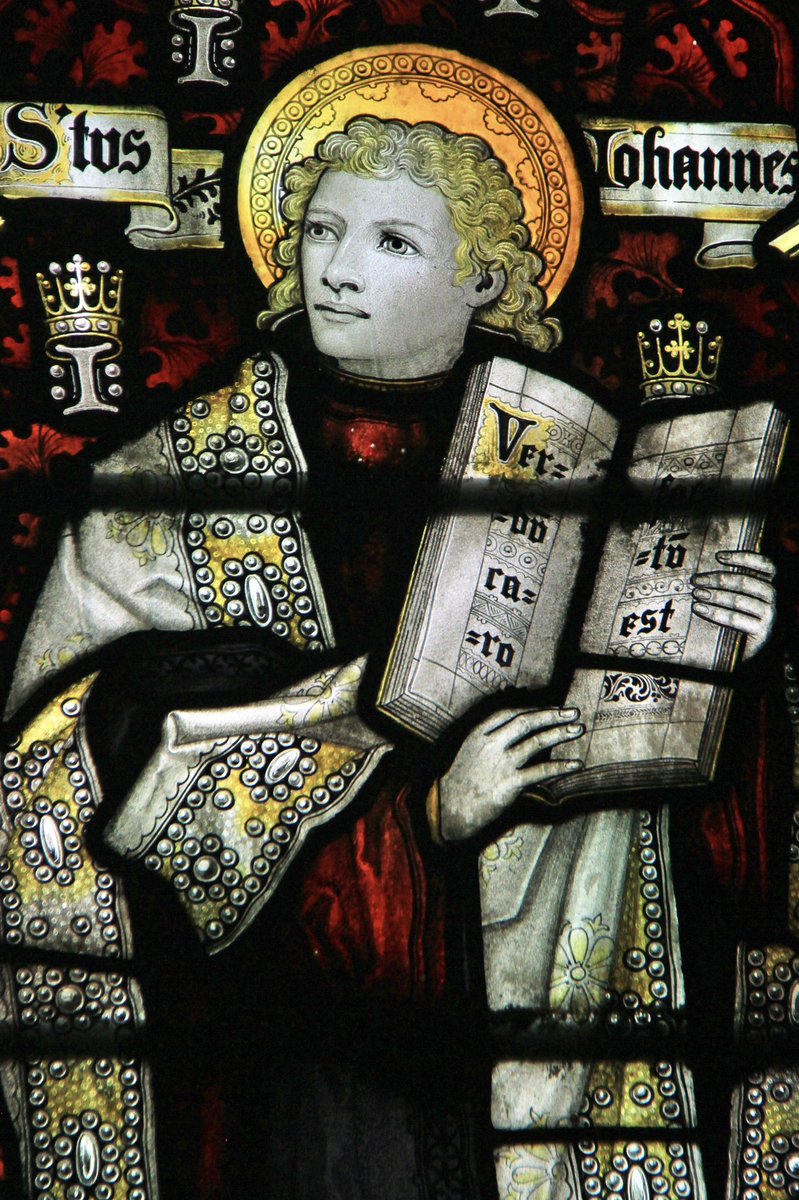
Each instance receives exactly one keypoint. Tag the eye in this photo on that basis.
(394, 244)
(317, 231)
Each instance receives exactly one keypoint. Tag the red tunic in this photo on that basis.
(371, 909)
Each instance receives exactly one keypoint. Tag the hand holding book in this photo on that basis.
(502, 756)
(744, 602)
(499, 759)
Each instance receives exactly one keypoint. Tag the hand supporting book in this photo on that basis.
(498, 761)
(502, 756)
(744, 602)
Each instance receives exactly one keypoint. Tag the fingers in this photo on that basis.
(746, 585)
(749, 561)
(516, 725)
(744, 622)
(732, 601)
(522, 752)
(543, 772)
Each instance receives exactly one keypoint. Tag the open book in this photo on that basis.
(496, 571)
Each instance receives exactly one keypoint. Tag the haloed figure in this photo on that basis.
(407, 245)
(406, 262)
(406, 249)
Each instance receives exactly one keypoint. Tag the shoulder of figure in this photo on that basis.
(237, 430)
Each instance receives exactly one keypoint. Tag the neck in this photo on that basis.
(376, 383)
(433, 362)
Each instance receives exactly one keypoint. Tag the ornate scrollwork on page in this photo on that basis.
(638, 689)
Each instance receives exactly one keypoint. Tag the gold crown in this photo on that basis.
(82, 303)
(679, 367)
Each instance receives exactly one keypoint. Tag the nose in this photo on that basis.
(344, 271)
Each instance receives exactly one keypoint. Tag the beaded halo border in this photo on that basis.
(416, 83)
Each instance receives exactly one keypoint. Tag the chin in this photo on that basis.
(337, 341)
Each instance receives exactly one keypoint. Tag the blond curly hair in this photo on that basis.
(484, 206)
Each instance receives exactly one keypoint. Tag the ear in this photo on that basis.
(484, 287)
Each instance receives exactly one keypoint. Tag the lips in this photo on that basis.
(342, 310)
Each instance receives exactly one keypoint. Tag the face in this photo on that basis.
(378, 277)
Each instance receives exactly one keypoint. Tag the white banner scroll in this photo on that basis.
(731, 176)
(98, 152)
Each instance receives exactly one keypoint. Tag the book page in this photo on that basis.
(494, 574)
(642, 730)
(645, 725)
(642, 607)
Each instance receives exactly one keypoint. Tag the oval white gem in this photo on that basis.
(282, 765)
(793, 1003)
(637, 1185)
(87, 1158)
(50, 838)
(258, 601)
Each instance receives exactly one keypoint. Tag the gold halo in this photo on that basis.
(416, 83)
